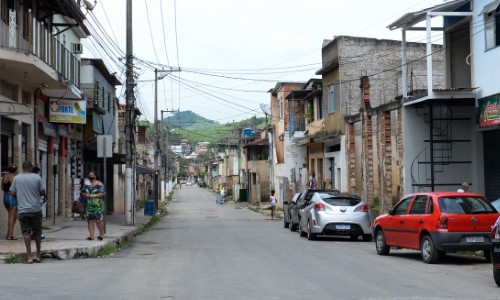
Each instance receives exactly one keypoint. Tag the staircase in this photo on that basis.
(438, 151)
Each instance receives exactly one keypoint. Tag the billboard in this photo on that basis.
(68, 111)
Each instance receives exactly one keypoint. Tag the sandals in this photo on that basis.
(38, 260)
(90, 239)
(100, 238)
(10, 238)
(28, 261)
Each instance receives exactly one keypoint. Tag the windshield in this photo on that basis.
(465, 205)
(339, 201)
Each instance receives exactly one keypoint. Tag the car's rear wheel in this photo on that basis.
(310, 236)
(487, 255)
(367, 237)
(496, 276)
(430, 254)
(380, 244)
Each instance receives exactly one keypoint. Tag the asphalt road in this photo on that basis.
(201, 250)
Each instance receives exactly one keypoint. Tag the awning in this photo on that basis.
(70, 92)
(144, 170)
(413, 18)
(11, 108)
(490, 7)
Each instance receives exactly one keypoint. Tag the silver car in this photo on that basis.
(333, 213)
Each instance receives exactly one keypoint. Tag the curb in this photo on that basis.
(76, 252)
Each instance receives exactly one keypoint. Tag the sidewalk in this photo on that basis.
(67, 240)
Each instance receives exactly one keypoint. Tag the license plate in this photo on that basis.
(474, 239)
(343, 226)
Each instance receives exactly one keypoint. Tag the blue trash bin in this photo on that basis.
(149, 208)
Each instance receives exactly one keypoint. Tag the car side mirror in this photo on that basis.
(285, 202)
(391, 211)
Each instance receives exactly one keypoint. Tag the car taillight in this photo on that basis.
(319, 206)
(442, 222)
(364, 208)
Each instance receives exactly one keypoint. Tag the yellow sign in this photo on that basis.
(68, 111)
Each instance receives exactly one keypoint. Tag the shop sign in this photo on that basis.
(489, 111)
(68, 111)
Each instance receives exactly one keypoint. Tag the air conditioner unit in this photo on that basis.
(76, 48)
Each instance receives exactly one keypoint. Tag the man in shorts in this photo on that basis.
(28, 187)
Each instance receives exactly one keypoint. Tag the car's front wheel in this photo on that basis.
(430, 254)
(299, 229)
(367, 237)
(285, 223)
(380, 244)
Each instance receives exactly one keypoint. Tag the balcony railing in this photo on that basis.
(32, 37)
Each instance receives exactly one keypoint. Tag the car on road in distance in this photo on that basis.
(436, 223)
(333, 213)
(189, 183)
(302, 201)
(287, 207)
(202, 184)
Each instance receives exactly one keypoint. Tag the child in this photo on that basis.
(272, 201)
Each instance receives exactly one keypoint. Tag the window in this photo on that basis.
(402, 206)
(418, 207)
(331, 99)
(320, 107)
(8, 90)
(5, 6)
(492, 28)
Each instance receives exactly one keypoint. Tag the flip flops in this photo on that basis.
(10, 238)
(90, 239)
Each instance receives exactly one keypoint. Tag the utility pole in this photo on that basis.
(166, 149)
(157, 186)
(129, 110)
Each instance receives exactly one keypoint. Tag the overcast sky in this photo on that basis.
(231, 52)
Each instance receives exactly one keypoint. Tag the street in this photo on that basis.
(201, 250)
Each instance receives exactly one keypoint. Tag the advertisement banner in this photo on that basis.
(68, 111)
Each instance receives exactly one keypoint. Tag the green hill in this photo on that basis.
(196, 128)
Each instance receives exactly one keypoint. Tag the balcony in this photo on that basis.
(29, 53)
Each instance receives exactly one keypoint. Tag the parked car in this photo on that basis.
(189, 183)
(436, 223)
(202, 184)
(333, 213)
(495, 251)
(287, 207)
(302, 201)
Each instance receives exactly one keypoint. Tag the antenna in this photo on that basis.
(265, 109)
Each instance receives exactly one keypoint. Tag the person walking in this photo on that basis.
(311, 184)
(9, 201)
(223, 195)
(94, 191)
(272, 202)
(28, 187)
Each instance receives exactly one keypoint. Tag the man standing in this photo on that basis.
(28, 187)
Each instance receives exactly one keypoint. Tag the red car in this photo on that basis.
(436, 223)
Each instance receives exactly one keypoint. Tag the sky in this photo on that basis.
(230, 52)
